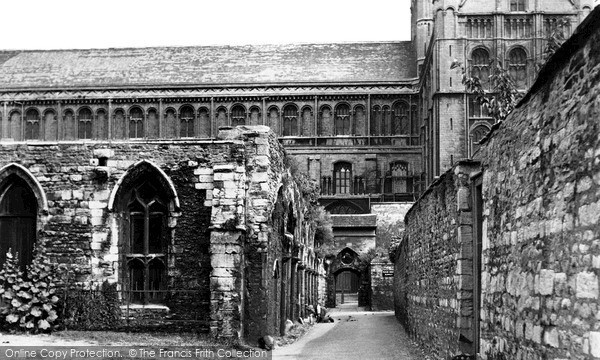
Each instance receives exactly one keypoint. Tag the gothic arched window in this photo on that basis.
(290, 120)
(477, 134)
(480, 66)
(32, 124)
(342, 176)
(18, 212)
(343, 125)
(238, 115)
(517, 67)
(400, 124)
(85, 124)
(145, 248)
(136, 123)
(398, 180)
(186, 122)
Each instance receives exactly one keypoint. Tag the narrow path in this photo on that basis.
(355, 334)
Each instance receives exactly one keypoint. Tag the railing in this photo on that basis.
(377, 140)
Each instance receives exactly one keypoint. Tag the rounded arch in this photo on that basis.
(290, 105)
(32, 113)
(479, 53)
(517, 48)
(135, 109)
(238, 107)
(48, 111)
(451, 8)
(84, 109)
(150, 109)
(170, 109)
(22, 172)
(138, 169)
(343, 104)
(478, 131)
(253, 108)
(14, 111)
(306, 107)
(202, 109)
(68, 111)
(479, 123)
(324, 107)
(187, 107)
(273, 107)
(119, 110)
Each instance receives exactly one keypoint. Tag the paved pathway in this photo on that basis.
(355, 334)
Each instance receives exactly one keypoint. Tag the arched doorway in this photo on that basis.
(347, 285)
(348, 280)
(18, 220)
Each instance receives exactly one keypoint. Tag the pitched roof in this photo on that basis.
(208, 65)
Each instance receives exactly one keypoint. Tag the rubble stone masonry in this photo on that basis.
(222, 195)
(536, 218)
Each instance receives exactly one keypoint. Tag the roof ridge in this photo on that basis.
(210, 46)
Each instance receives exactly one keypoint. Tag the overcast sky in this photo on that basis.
(68, 24)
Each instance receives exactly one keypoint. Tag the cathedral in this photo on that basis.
(161, 168)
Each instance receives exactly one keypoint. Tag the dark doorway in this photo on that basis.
(347, 284)
(18, 210)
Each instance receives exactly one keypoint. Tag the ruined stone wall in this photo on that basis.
(541, 208)
(81, 229)
(222, 197)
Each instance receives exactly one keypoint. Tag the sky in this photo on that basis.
(77, 24)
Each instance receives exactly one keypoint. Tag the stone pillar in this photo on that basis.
(226, 283)
(465, 321)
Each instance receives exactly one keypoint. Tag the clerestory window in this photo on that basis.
(85, 124)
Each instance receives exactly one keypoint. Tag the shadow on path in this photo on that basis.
(355, 334)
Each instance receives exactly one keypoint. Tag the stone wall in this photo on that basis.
(221, 198)
(431, 286)
(501, 255)
(382, 284)
(541, 213)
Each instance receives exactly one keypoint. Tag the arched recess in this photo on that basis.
(238, 115)
(143, 204)
(343, 119)
(480, 65)
(187, 118)
(345, 279)
(477, 132)
(142, 168)
(344, 207)
(22, 172)
(325, 121)
(255, 118)
(204, 122)
(290, 120)
(517, 66)
(23, 206)
(50, 125)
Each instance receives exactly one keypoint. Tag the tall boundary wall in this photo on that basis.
(501, 255)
